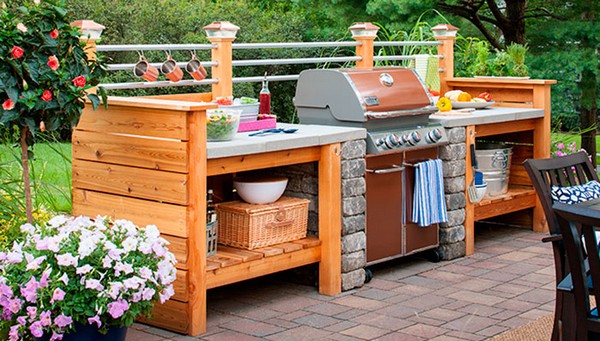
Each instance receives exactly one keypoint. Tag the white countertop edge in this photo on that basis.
(487, 116)
(308, 135)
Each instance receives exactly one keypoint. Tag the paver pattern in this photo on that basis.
(508, 282)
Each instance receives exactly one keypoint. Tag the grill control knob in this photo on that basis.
(433, 136)
(391, 141)
(413, 138)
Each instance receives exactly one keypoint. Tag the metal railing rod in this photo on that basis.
(381, 58)
(269, 78)
(159, 84)
(406, 43)
(294, 45)
(117, 67)
(294, 61)
(148, 47)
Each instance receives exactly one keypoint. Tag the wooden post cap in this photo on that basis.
(444, 30)
(363, 29)
(221, 29)
(89, 28)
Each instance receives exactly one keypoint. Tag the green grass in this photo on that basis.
(570, 138)
(50, 173)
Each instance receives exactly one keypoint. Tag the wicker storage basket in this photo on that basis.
(250, 226)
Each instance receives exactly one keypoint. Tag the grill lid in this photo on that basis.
(359, 95)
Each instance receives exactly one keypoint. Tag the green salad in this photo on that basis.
(221, 126)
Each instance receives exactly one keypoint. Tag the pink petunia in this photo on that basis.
(62, 320)
(45, 318)
(36, 329)
(96, 320)
(560, 145)
(57, 295)
(118, 308)
(32, 312)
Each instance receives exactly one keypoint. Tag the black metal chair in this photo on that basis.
(584, 264)
(570, 170)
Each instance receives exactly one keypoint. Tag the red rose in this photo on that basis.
(47, 96)
(79, 81)
(54, 33)
(8, 104)
(53, 63)
(17, 52)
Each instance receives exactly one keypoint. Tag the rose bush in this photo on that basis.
(75, 270)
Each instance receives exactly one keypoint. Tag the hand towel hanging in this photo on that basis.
(429, 203)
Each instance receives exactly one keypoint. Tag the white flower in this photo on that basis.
(145, 272)
(84, 269)
(133, 282)
(130, 244)
(94, 284)
(64, 278)
(37, 2)
(66, 259)
(14, 257)
(167, 293)
(57, 221)
(107, 262)
(148, 294)
(86, 247)
(145, 248)
(115, 289)
(152, 232)
(27, 228)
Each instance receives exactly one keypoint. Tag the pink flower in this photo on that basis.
(32, 312)
(36, 329)
(94, 284)
(118, 308)
(53, 63)
(30, 290)
(54, 33)
(45, 318)
(559, 153)
(17, 52)
(21, 320)
(63, 320)
(57, 295)
(8, 104)
(47, 96)
(21, 27)
(66, 260)
(79, 81)
(96, 320)
(14, 305)
(560, 145)
(13, 334)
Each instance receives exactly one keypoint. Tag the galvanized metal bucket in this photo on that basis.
(494, 162)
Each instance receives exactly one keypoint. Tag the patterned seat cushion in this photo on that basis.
(576, 194)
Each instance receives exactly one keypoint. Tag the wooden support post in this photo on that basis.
(222, 34)
(541, 141)
(330, 220)
(364, 33)
(445, 34)
(196, 223)
(469, 207)
(90, 33)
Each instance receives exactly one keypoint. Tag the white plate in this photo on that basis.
(503, 77)
(475, 105)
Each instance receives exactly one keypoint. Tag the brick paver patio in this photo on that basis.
(505, 284)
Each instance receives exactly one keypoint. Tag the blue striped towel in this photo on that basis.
(429, 204)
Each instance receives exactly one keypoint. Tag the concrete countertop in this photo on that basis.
(307, 135)
(486, 116)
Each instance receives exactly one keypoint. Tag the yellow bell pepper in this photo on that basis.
(444, 104)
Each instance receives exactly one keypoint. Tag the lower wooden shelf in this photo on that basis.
(232, 265)
(517, 198)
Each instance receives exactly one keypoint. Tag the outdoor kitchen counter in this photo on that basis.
(529, 130)
(306, 136)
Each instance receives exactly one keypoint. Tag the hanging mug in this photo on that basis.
(195, 69)
(171, 70)
(144, 70)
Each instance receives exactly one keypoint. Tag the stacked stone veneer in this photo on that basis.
(453, 155)
(303, 183)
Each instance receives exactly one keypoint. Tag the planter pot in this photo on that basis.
(90, 333)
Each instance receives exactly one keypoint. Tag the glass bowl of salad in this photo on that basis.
(222, 124)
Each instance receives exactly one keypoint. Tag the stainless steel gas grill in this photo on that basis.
(394, 105)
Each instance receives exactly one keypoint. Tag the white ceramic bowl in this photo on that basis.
(260, 190)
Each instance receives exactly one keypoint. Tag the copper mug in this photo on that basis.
(144, 70)
(195, 69)
(171, 69)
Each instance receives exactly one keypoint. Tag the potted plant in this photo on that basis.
(76, 272)
(45, 73)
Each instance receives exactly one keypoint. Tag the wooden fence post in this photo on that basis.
(222, 33)
(446, 34)
(364, 33)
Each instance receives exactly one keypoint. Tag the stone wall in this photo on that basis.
(303, 183)
(453, 155)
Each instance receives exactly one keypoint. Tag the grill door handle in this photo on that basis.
(395, 168)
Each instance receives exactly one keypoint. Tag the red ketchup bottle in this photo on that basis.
(265, 98)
